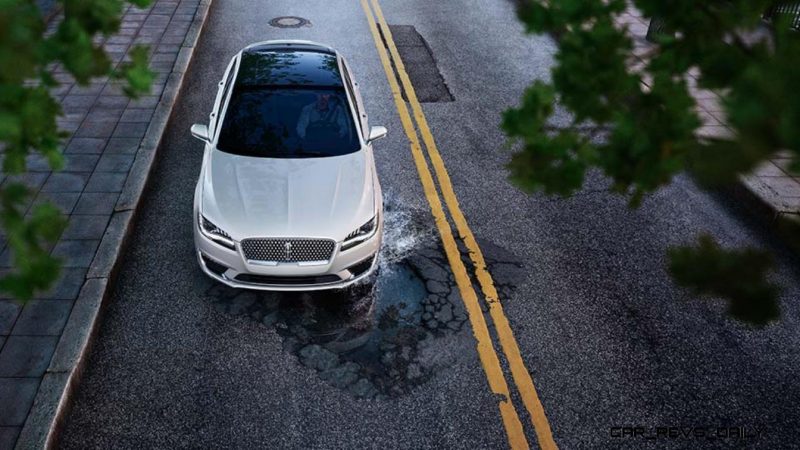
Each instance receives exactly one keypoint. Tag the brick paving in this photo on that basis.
(772, 183)
(107, 130)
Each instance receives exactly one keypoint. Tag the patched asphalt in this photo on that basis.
(608, 338)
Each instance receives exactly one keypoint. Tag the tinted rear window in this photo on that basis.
(279, 122)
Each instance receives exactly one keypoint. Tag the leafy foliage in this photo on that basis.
(28, 115)
(736, 275)
(645, 113)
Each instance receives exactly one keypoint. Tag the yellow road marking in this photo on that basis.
(508, 343)
(486, 351)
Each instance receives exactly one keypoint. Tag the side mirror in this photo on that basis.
(200, 131)
(376, 133)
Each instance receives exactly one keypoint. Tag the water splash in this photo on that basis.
(404, 230)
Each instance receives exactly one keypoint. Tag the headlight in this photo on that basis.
(215, 233)
(361, 234)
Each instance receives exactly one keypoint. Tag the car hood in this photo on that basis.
(324, 197)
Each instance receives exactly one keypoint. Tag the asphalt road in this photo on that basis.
(609, 340)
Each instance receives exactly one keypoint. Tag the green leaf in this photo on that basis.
(136, 73)
(641, 100)
(28, 115)
(736, 275)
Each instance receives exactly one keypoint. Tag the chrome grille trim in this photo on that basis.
(299, 251)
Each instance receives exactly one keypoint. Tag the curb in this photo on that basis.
(780, 214)
(769, 207)
(53, 399)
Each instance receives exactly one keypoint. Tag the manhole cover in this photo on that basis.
(290, 22)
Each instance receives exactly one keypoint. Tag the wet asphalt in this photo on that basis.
(181, 361)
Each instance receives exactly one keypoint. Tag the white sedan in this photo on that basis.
(288, 197)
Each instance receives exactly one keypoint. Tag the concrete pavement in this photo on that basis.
(41, 342)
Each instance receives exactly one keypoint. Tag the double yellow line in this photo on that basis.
(486, 351)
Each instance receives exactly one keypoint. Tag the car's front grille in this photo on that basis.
(288, 250)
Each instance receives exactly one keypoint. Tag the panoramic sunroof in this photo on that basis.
(284, 67)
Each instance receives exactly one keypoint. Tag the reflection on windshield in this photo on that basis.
(288, 123)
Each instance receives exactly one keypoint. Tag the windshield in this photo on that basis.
(277, 122)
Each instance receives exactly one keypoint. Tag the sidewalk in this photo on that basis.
(772, 185)
(107, 160)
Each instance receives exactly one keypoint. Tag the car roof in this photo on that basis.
(287, 65)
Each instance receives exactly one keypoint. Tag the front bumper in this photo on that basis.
(343, 269)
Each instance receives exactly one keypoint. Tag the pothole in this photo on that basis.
(377, 339)
(290, 22)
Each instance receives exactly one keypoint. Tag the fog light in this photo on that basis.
(214, 266)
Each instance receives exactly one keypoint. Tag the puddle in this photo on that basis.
(374, 339)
